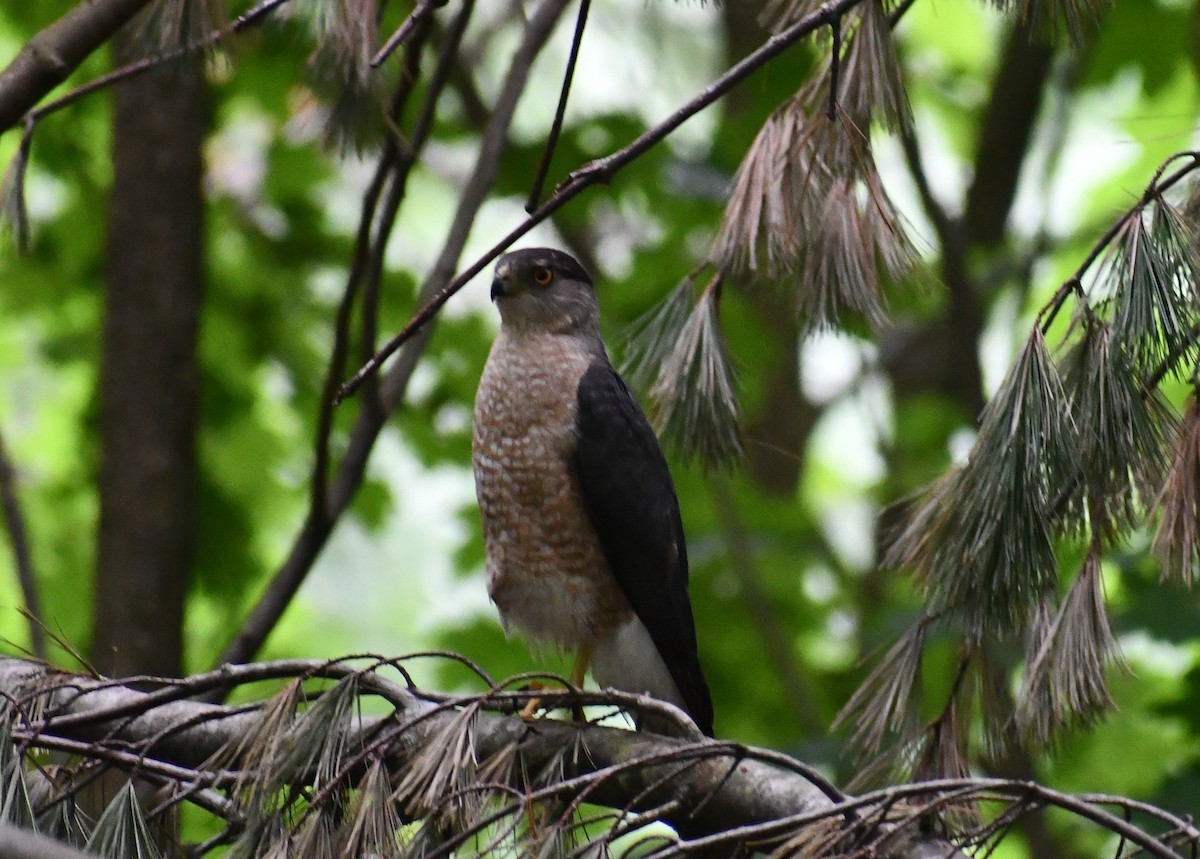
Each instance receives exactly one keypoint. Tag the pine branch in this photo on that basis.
(712, 785)
(423, 10)
(437, 752)
(250, 18)
(18, 538)
(601, 171)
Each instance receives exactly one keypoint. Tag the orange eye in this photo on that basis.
(542, 276)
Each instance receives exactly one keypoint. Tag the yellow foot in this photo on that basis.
(529, 711)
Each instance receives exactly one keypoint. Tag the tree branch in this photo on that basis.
(535, 193)
(423, 10)
(370, 421)
(18, 537)
(247, 19)
(712, 786)
(49, 57)
(715, 794)
(602, 170)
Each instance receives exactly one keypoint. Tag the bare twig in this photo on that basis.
(390, 171)
(448, 58)
(424, 10)
(370, 421)
(539, 180)
(247, 19)
(18, 538)
(49, 57)
(602, 170)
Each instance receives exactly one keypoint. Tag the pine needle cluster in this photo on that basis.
(1078, 447)
(807, 215)
(171, 24)
(677, 352)
(310, 776)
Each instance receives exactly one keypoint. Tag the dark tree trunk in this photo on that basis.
(148, 380)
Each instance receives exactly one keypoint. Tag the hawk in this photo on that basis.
(585, 547)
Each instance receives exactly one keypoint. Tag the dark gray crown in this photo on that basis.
(561, 263)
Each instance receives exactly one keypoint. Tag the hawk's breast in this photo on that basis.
(546, 571)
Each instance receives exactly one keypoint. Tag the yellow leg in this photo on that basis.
(534, 704)
(583, 658)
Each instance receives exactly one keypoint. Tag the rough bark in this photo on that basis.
(148, 380)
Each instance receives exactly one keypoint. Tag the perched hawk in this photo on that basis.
(585, 547)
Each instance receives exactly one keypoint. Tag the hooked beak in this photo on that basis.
(504, 283)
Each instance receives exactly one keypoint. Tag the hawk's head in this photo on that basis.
(544, 289)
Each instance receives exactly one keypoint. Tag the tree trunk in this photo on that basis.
(148, 379)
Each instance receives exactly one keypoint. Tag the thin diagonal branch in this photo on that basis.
(539, 181)
(602, 170)
(370, 421)
(424, 10)
(18, 538)
(48, 58)
(247, 19)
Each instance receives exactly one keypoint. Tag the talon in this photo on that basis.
(529, 711)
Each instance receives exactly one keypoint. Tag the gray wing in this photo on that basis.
(631, 503)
